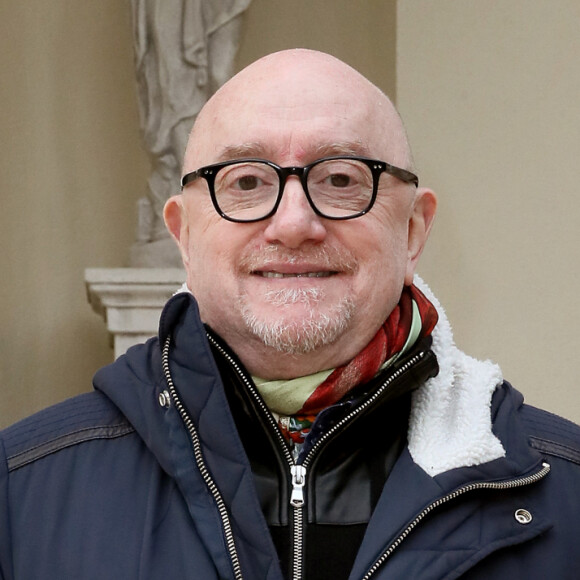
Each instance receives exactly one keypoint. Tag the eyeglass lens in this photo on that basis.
(338, 188)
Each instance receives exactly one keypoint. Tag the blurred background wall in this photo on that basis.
(488, 92)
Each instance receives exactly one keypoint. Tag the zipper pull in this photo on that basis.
(298, 479)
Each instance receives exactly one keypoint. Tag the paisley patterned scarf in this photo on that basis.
(413, 318)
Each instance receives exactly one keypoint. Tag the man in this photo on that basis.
(304, 412)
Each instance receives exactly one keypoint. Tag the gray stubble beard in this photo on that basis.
(314, 331)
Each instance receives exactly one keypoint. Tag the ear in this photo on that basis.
(175, 217)
(420, 222)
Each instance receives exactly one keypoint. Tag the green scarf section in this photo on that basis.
(287, 397)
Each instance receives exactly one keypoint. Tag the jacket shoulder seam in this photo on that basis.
(67, 440)
(556, 449)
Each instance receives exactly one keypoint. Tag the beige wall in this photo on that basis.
(490, 92)
(71, 168)
(361, 33)
(488, 95)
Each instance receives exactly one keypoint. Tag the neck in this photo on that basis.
(270, 363)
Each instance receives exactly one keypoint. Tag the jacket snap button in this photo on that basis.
(523, 516)
(164, 399)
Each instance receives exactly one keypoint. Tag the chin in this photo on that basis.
(310, 329)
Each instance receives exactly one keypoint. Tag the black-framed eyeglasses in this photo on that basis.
(337, 188)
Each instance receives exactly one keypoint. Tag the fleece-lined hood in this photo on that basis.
(450, 422)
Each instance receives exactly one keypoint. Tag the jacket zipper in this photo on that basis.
(518, 482)
(199, 460)
(363, 406)
(298, 472)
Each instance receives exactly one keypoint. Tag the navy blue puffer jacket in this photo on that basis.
(147, 478)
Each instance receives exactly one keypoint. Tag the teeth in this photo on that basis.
(314, 275)
(303, 275)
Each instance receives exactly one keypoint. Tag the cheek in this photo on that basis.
(391, 233)
(204, 254)
(208, 262)
(382, 251)
(214, 249)
(382, 242)
(211, 282)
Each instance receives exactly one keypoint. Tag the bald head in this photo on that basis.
(294, 90)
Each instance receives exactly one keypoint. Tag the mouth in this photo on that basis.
(275, 274)
(271, 263)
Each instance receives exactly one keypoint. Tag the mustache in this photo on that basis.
(324, 257)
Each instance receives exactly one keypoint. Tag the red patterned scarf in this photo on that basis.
(388, 341)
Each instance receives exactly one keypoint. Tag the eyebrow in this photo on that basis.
(259, 150)
(241, 151)
(354, 148)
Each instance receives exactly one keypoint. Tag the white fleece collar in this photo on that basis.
(450, 421)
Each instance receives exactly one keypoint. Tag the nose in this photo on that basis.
(294, 222)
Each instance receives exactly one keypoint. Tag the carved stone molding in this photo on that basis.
(130, 300)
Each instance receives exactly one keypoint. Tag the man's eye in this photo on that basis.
(248, 182)
(339, 180)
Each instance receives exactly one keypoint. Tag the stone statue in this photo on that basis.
(184, 51)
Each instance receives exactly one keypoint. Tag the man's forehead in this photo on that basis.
(264, 150)
(295, 128)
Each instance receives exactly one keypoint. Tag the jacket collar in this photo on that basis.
(450, 421)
